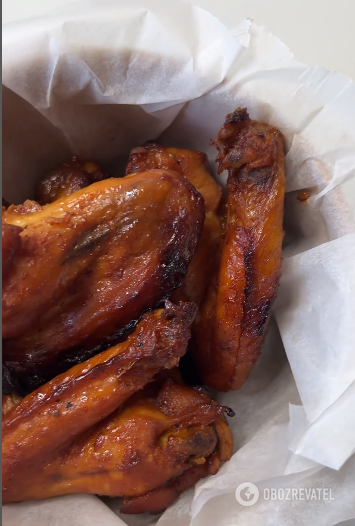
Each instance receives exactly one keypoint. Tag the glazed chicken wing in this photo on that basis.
(231, 324)
(192, 165)
(78, 435)
(91, 263)
(68, 178)
(41, 444)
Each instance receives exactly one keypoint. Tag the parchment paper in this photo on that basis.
(100, 78)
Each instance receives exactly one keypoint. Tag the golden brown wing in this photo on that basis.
(68, 178)
(39, 430)
(157, 444)
(192, 165)
(92, 263)
(231, 326)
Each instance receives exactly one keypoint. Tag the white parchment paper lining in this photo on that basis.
(99, 78)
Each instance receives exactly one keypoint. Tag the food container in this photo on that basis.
(97, 79)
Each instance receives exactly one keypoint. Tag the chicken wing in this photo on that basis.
(192, 165)
(231, 324)
(91, 263)
(41, 444)
(68, 178)
(149, 450)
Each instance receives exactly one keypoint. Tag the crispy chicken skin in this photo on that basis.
(68, 178)
(93, 262)
(231, 324)
(49, 438)
(192, 165)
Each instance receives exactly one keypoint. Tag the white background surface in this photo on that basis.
(317, 31)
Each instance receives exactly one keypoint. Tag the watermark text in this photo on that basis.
(248, 494)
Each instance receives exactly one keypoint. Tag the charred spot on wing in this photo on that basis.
(174, 269)
(262, 176)
(258, 318)
(88, 241)
(248, 265)
(239, 115)
(248, 256)
(265, 310)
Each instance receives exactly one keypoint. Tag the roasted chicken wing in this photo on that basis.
(231, 324)
(91, 263)
(77, 434)
(192, 165)
(68, 178)
(48, 437)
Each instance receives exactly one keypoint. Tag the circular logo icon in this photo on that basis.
(247, 494)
